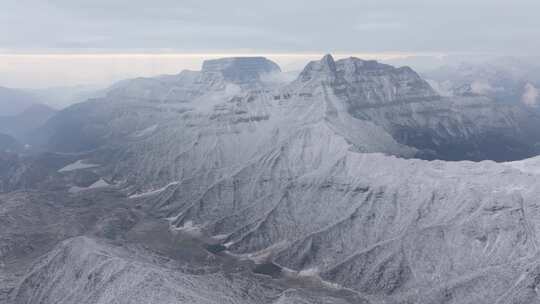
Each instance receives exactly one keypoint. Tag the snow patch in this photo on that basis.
(78, 165)
(145, 132)
(530, 96)
(189, 229)
(313, 276)
(101, 183)
(264, 255)
(310, 272)
(228, 244)
(220, 237)
(152, 192)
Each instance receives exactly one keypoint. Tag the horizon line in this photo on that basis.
(382, 55)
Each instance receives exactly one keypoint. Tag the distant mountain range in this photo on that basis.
(22, 111)
(13, 101)
(24, 125)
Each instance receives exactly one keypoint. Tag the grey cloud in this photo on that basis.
(279, 25)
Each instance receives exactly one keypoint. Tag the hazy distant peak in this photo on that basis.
(14, 101)
(257, 62)
(38, 109)
(239, 69)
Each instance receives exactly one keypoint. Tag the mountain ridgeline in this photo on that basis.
(397, 100)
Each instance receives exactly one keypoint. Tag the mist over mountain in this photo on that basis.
(503, 79)
(27, 122)
(13, 102)
(61, 97)
(354, 182)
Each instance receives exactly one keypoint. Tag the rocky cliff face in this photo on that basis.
(301, 193)
(398, 100)
(368, 83)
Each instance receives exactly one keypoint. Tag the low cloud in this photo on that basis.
(530, 96)
(481, 87)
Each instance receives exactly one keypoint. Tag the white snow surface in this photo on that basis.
(78, 165)
(145, 132)
(153, 192)
(101, 183)
(531, 165)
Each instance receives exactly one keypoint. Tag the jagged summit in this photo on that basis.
(238, 69)
(367, 82)
(328, 62)
(324, 69)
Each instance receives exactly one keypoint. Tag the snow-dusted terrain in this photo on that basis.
(218, 186)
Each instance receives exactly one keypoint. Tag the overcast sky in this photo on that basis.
(253, 27)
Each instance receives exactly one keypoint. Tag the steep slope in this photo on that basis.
(356, 222)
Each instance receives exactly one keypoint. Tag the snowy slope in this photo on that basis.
(312, 182)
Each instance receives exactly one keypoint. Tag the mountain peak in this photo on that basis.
(367, 83)
(328, 61)
(324, 69)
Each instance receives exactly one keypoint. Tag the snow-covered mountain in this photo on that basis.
(415, 120)
(220, 185)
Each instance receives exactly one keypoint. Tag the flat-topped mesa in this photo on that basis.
(216, 75)
(367, 82)
(238, 70)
